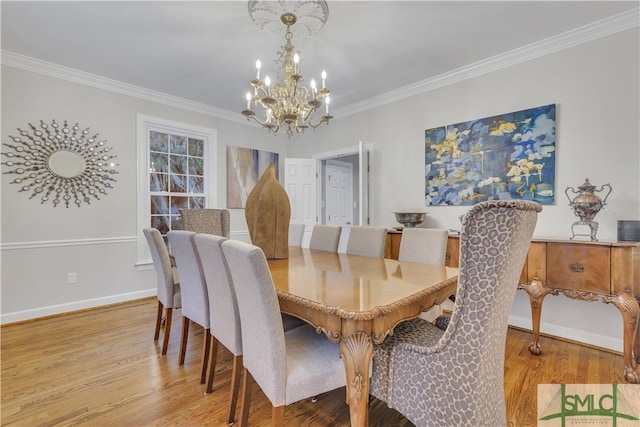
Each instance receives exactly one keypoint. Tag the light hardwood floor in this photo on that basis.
(102, 368)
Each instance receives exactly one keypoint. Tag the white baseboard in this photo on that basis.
(610, 343)
(19, 316)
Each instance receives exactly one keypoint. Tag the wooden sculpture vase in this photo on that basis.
(268, 212)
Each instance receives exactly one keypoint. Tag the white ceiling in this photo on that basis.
(205, 51)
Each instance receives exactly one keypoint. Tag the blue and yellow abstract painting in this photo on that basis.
(509, 156)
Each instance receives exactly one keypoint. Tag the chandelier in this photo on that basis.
(286, 103)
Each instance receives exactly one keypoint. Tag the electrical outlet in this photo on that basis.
(72, 278)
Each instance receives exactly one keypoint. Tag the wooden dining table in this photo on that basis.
(357, 301)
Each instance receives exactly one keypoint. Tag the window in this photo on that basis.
(176, 178)
(176, 169)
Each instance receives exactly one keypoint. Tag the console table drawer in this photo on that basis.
(579, 267)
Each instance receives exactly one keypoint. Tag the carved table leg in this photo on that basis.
(356, 352)
(537, 291)
(628, 306)
(637, 346)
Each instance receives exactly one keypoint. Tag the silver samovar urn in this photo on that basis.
(586, 205)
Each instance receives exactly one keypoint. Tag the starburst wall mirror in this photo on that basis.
(60, 163)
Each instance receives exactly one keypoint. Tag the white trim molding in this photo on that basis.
(602, 341)
(614, 24)
(242, 235)
(19, 316)
(35, 65)
(64, 243)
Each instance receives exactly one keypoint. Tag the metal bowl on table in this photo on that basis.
(410, 219)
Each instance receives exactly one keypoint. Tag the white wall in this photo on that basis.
(42, 243)
(595, 87)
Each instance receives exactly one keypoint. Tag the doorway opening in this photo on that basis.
(330, 188)
(341, 199)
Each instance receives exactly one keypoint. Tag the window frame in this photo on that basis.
(144, 125)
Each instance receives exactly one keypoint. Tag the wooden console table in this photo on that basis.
(583, 270)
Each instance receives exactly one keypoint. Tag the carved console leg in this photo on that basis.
(637, 346)
(626, 302)
(537, 291)
(356, 352)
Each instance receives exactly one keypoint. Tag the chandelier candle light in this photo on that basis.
(286, 102)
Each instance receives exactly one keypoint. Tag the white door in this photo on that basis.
(300, 182)
(306, 202)
(339, 193)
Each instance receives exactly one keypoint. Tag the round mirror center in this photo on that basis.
(66, 164)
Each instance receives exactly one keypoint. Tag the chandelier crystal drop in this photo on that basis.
(286, 103)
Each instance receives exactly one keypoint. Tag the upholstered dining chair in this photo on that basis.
(425, 245)
(455, 377)
(325, 237)
(195, 299)
(209, 221)
(223, 313)
(296, 234)
(167, 283)
(288, 366)
(367, 241)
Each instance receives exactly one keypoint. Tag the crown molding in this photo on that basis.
(612, 25)
(584, 34)
(49, 69)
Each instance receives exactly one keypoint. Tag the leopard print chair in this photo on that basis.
(207, 221)
(455, 377)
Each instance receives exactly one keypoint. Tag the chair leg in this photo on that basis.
(277, 416)
(158, 321)
(206, 344)
(167, 331)
(247, 384)
(213, 357)
(235, 387)
(183, 340)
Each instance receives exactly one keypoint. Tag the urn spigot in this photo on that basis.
(586, 205)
